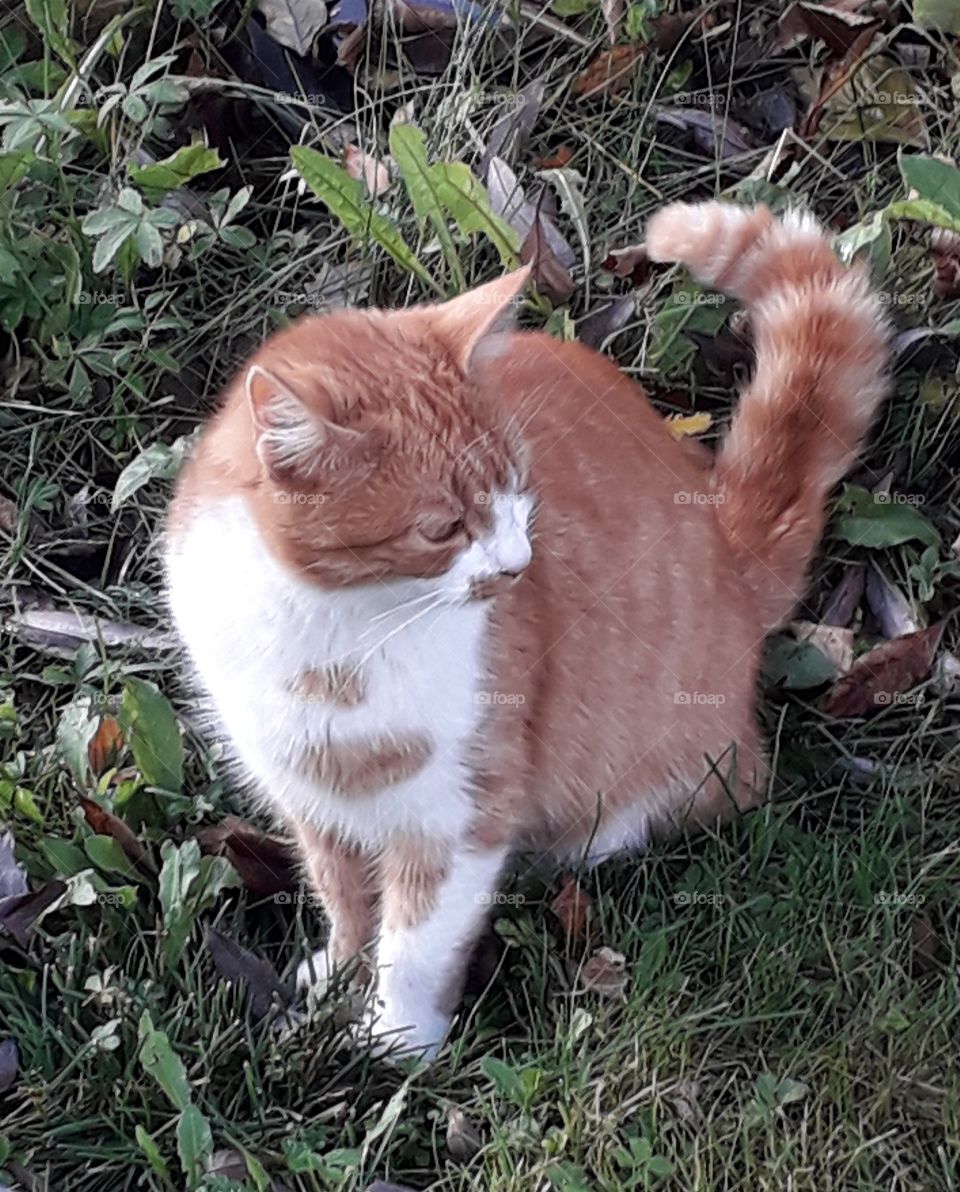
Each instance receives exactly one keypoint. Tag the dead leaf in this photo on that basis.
(13, 879)
(712, 132)
(508, 199)
(266, 864)
(726, 355)
(605, 973)
(669, 29)
(561, 156)
(365, 168)
(837, 24)
(9, 1062)
(888, 604)
(609, 74)
(228, 1165)
(925, 945)
(600, 324)
(613, 11)
(9, 515)
(508, 137)
(845, 598)
(574, 908)
(19, 913)
(463, 1137)
(351, 48)
(106, 824)
(549, 276)
(256, 976)
(293, 24)
(60, 632)
(681, 426)
(833, 642)
(887, 671)
(945, 257)
(105, 745)
(866, 97)
(631, 262)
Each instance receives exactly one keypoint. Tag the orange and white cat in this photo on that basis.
(455, 591)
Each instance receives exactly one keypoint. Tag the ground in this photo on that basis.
(778, 1004)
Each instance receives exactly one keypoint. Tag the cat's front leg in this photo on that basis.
(435, 900)
(344, 879)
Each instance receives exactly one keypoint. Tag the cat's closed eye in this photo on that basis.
(440, 527)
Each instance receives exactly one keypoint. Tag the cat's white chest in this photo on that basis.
(254, 629)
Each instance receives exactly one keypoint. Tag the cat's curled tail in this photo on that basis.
(822, 349)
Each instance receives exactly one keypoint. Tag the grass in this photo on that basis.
(789, 1017)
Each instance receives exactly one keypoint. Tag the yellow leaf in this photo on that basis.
(693, 424)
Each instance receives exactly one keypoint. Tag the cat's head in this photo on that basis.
(379, 458)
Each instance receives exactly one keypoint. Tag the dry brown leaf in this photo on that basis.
(670, 28)
(945, 256)
(266, 864)
(837, 24)
(887, 671)
(561, 156)
(610, 73)
(463, 1137)
(105, 746)
(550, 276)
(631, 262)
(833, 641)
(104, 823)
(605, 973)
(367, 169)
(573, 907)
(681, 426)
(9, 517)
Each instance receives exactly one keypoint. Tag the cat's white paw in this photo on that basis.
(401, 1031)
(314, 973)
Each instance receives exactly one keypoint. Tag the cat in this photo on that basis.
(455, 590)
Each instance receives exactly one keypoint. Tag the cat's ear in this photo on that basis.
(292, 441)
(468, 320)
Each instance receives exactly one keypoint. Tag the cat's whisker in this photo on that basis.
(408, 604)
(420, 613)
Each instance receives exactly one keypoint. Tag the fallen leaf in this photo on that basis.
(605, 973)
(509, 201)
(508, 137)
(13, 879)
(893, 611)
(561, 156)
(597, 326)
(837, 24)
(573, 907)
(937, 14)
(9, 1062)
(833, 642)
(888, 670)
(20, 912)
(266, 864)
(945, 257)
(725, 355)
(228, 1164)
(610, 73)
(351, 48)
(61, 632)
(680, 426)
(669, 29)
(712, 132)
(463, 1137)
(372, 171)
(106, 824)
(256, 976)
(866, 98)
(613, 11)
(105, 745)
(548, 275)
(845, 598)
(9, 515)
(293, 24)
(631, 262)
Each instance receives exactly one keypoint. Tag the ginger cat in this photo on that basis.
(455, 591)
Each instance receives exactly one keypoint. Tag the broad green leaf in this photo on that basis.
(159, 461)
(938, 14)
(149, 243)
(14, 166)
(933, 180)
(52, 18)
(466, 198)
(106, 853)
(25, 804)
(923, 211)
(67, 860)
(180, 868)
(109, 245)
(151, 729)
(98, 222)
(878, 520)
(408, 147)
(506, 1080)
(74, 734)
(152, 1152)
(344, 196)
(163, 1064)
(194, 1143)
(176, 170)
(797, 665)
